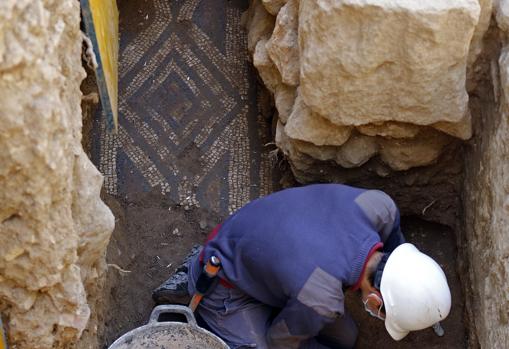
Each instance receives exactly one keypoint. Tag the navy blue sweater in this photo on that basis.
(299, 248)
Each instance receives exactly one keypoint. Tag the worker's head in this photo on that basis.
(414, 290)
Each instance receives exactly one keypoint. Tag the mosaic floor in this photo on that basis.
(189, 122)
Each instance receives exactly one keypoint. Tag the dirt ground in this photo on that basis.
(151, 236)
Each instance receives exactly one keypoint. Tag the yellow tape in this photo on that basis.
(3, 337)
(105, 18)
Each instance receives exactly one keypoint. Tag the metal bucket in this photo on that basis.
(169, 335)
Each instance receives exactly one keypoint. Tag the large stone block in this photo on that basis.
(53, 225)
(365, 61)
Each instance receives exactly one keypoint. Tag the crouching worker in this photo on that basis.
(288, 258)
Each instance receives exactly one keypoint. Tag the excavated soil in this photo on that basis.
(156, 224)
(151, 236)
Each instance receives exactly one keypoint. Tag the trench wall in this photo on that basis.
(410, 97)
(486, 192)
(54, 228)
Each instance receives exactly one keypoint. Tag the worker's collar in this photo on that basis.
(377, 280)
(360, 264)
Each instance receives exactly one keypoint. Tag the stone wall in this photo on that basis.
(373, 93)
(353, 80)
(53, 226)
(486, 192)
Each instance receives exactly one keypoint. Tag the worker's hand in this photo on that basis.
(373, 304)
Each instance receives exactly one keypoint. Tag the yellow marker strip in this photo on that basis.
(3, 337)
(101, 21)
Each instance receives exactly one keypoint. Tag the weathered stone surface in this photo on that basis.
(259, 24)
(53, 225)
(502, 15)
(356, 151)
(480, 29)
(372, 61)
(486, 203)
(283, 47)
(323, 153)
(402, 154)
(307, 126)
(285, 99)
(273, 6)
(461, 129)
(266, 68)
(390, 129)
(297, 158)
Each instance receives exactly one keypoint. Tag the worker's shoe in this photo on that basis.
(174, 290)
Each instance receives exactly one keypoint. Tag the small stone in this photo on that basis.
(176, 232)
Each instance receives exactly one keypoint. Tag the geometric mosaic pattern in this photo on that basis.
(189, 125)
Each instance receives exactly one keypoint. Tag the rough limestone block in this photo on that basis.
(284, 98)
(321, 153)
(273, 6)
(266, 68)
(259, 24)
(283, 47)
(461, 129)
(365, 61)
(310, 127)
(356, 151)
(403, 154)
(53, 225)
(303, 155)
(390, 129)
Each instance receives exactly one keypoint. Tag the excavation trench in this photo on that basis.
(196, 142)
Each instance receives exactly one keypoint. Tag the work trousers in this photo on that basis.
(242, 321)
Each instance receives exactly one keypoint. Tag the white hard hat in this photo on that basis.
(415, 292)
